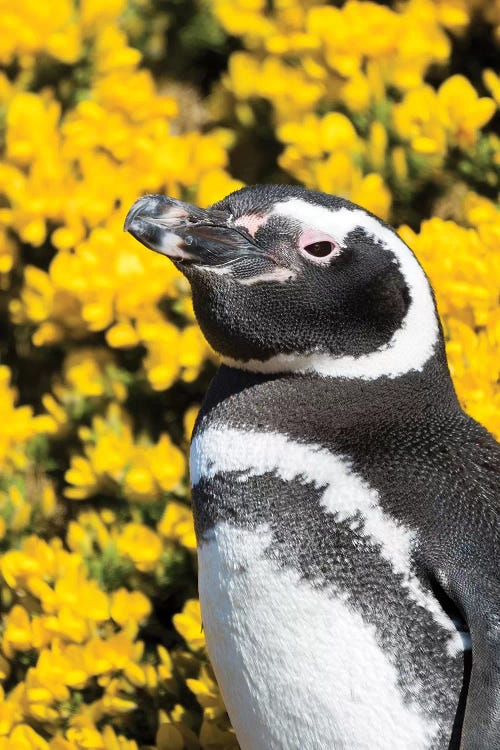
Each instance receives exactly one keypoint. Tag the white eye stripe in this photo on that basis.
(411, 346)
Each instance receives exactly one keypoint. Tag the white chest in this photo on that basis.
(299, 669)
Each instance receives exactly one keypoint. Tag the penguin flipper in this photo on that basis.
(476, 589)
(481, 727)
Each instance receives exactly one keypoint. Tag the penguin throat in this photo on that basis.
(409, 349)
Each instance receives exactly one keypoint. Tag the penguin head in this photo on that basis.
(287, 279)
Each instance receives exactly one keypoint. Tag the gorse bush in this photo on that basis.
(393, 105)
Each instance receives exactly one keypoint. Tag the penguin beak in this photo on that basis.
(185, 233)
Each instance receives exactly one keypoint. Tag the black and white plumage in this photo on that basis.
(347, 510)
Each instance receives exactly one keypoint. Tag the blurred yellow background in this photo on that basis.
(391, 104)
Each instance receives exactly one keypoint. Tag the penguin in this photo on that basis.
(346, 508)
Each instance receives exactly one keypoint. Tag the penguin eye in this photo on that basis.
(320, 249)
(317, 246)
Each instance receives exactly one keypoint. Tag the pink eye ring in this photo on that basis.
(317, 246)
(320, 249)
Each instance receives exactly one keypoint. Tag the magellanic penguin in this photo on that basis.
(346, 509)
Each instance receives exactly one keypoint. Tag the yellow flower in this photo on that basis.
(416, 120)
(66, 46)
(129, 605)
(454, 14)
(167, 463)
(113, 741)
(78, 539)
(114, 459)
(33, 27)
(139, 481)
(466, 275)
(289, 88)
(244, 17)
(62, 664)
(95, 14)
(165, 668)
(109, 448)
(188, 624)
(116, 700)
(23, 146)
(461, 111)
(141, 545)
(315, 136)
(473, 360)
(161, 362)
(113, 654)
(378, 140)
(66, 624)
(174, 730)
(35, 558)
(23, 737)
(117, 137)
(399, 164)
(4, 672)
(492, 82)
(19, 426)
(8, 255)
(10, 711)
(87, 372)
(87, 128)
(85, 738)
(83, 477)
(189, 420)
(82, 595)
(372, 192)
(176, 525)
(207, 693)
(15, 506)
(20, 508)
(215, 185)
(356, 92)
(480, 212)
(17, 635)
(122, 335)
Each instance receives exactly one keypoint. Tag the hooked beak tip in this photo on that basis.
(157, 222)
(159, 209)
(133, 211)
(186, 233)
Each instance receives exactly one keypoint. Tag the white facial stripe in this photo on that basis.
(411, 345)
(299, 669)
(222, 270)
(280, 275)
(345, 495)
